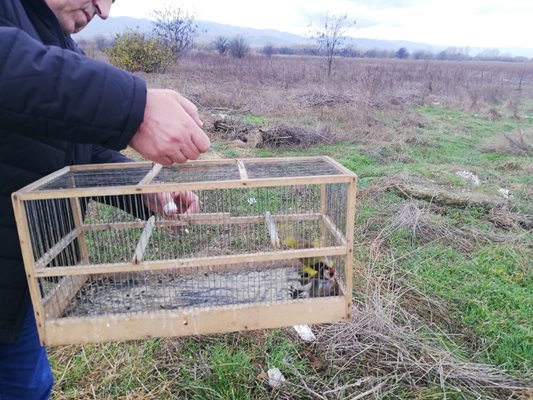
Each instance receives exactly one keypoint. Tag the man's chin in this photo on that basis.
(78, 28)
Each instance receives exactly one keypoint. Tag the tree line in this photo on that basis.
(174, 31)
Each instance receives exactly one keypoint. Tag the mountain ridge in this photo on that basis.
(208, 30)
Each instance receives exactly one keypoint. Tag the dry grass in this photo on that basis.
(354, 104)
(425, 226)
(385, 349)
(518, 144)
(395, 344)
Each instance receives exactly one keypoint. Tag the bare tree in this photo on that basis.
(268, 50)
(402, 53)
(330, 35)
(239, 47)
(175, 27)
(101, 42)
(221, 44)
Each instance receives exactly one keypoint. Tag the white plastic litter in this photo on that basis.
(505, 193)
(305, 333)
(469, 176)
(275, 377)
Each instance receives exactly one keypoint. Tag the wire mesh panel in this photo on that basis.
(269, 245)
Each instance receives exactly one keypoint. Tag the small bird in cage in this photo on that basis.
(322, 284)
(312, 267)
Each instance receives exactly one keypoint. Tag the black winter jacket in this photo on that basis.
(57, 108)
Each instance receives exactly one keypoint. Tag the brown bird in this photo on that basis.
(324, 284)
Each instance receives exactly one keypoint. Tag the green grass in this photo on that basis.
(488, 292)
(229, 367)
(258, 120)
(491, 292)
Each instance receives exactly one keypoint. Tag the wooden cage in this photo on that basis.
(270, 235)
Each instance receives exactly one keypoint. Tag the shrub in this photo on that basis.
(135, 51)
(239, 47)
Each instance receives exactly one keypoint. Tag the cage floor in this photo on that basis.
(149, 291)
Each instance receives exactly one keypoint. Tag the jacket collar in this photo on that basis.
(46, 23)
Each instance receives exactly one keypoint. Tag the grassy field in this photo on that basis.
(444, 235)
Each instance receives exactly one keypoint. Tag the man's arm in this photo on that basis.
(46, 91)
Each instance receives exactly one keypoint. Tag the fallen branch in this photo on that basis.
(446, 197)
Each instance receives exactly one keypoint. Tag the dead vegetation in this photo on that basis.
(272, 135)
(385, 349)
(418, 188)
(283, 135)
(426, 227)
(423, 213)
(518, 144)
(508, 220)
(393, 345)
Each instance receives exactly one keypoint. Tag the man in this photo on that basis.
(60, 108)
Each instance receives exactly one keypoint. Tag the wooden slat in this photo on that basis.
(209, 269)
(107, 166)
(202, 219)
(43, 181)
(194, 321)
(56, 249)
(323, 212)
(78, 224)
(29, 266)
(272, 231)
(143, 240)
(179, 187)
(214, 262)
(60, 297)
(350, 221)
(148, 178)
(332, 228)
(242, 170)
(277, 160)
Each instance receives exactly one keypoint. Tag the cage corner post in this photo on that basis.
(350, 227)
(29, 264)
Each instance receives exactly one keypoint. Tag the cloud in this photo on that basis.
(381, 4)
(459, 23)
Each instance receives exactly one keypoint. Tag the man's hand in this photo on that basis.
(172, 204)
(171, 130)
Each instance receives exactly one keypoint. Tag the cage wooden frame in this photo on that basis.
(54, 330)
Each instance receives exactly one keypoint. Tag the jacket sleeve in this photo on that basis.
(46, 91)
(133, 204)
(102, 155)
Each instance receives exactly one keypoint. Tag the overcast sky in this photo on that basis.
(458, 23)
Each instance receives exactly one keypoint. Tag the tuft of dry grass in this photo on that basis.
(384, 349)
(518, 144)
(425, 226)
(281, 135)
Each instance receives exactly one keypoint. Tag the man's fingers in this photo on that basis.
(178, 157)
(191, 151)
(201, 141)
(191, 109)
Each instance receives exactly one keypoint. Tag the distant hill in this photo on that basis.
(207, 31)
(260, 37)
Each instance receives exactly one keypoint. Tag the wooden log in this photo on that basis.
(446, 197)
